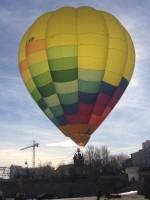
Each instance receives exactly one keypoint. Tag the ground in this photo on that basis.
(131, 197)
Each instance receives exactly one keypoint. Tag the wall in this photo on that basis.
(133, 172)
(77, 188)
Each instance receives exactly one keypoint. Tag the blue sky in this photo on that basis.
(21, 120)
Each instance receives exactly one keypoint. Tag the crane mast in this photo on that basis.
(33, 146)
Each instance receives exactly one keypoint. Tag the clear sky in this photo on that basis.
(21, 120)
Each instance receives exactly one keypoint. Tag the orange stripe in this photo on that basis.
(23, 66)
(35, 45)
(79, 133)
(74, 128)
(95, 120)
(26, 75)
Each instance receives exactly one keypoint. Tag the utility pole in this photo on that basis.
(35, 144)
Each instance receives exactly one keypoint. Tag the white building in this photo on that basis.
(138, 160)
(142, 157)
(133, 173)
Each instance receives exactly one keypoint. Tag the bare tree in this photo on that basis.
(97, 154)
(101, 161)
(105, 155)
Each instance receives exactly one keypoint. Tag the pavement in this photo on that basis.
(130, 197)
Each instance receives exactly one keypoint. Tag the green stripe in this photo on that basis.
(68, 98)
(55, 122)
(57, 110)
(63, 63)
(90, 75)
(62, 51)
(39, 68)
(30, 85)
(36, 95)
(66, 87)
(47, 90)
(65, 75)
(52, 100)
(51, 117)
(42, 104)
(88, 86)
(42, 79)
(49, 113)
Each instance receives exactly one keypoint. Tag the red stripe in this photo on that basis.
(95, 121)
(85, 109)
(115, 98)
(72, 119)
(101, 103)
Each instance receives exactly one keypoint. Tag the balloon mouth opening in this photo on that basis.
(80, 139)
(79, 133)
(81, 144)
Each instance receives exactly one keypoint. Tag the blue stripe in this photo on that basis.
(87, 97)
(123, 83)
(62, 120)
(106, 88)
(70, 108)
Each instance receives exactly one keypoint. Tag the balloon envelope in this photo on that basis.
(76, 63)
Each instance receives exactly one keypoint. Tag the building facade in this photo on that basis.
(138, 161)
(142, 157)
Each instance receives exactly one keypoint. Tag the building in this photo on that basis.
(133, 174)
(142, 157)
(64, 170)
(17, 171)
(138, 161)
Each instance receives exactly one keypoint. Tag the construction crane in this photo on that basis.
(34, 145)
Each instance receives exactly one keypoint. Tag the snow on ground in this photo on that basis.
(131, 197)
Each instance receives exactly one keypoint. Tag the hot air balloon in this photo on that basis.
(76, 63)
